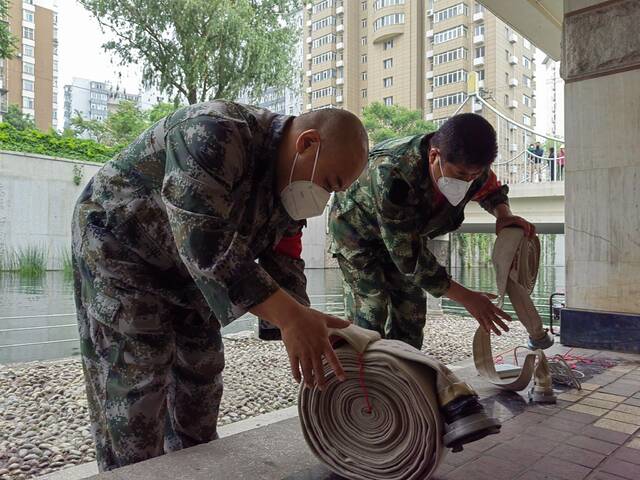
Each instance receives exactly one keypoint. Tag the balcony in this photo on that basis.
(513, 60)
(340, 28)
(429, 96)
(480, 83)
(308, 56)
(340, 10)
(513, 82)
(308, 23)
(513, 126)
(429, 53)
(478, 61)
(309, 6)
(429, 74)
(309, 106)
(340, 81)
(309, 89)
(308, 73)
(429, 33)
(340, 63)
(478, 38)
(513, 147)
(309, 39)
(513, 104)
(513, 38)
(476, 107)
(340, 46)
(339, 99)
(478, 17)
(430, 12)
(428, 116)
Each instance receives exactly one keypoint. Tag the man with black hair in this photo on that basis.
(415, 189)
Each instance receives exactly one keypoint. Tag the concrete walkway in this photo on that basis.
(590, 434)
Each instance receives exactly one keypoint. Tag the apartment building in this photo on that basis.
(30, 79)
(418, 54)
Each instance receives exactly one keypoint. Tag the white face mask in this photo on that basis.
(303, 198)
(452, 188)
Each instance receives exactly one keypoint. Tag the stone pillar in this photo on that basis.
(440, 248)
(601, 68)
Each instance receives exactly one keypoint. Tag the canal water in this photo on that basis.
(37, 319)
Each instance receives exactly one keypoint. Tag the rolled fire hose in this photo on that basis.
(516, 259)
(383, 422)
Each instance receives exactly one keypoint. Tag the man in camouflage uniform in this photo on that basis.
(165, 242)
(381, 224)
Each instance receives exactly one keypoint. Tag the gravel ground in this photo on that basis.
(44, 422)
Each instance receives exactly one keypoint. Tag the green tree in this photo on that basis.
(203, 49)
(161, 110)
(17, 119)
(120, 127)
(8, 43)
(383, 122)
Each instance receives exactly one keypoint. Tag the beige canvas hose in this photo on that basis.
(516, 259)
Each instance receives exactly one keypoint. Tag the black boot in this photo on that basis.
(466, 421)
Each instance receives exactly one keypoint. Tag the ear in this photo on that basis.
(433, 154)
(306, 139)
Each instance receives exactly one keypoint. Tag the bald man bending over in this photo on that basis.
(195, 223)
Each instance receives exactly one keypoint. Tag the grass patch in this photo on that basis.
(30, 261)
(67, 265)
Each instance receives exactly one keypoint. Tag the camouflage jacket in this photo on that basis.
(394, 207)
(197, 191)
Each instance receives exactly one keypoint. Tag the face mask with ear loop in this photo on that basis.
(303, 198)
(453, 189)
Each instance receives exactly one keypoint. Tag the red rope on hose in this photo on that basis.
(362, 384)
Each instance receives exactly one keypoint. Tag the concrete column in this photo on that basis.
(440, 248)
(601, 67)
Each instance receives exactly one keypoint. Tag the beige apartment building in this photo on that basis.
(418, 54)
(30, 79)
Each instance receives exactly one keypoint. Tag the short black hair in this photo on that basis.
(466, 139)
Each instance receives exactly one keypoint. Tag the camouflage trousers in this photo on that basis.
(378, 297)
(151, 351)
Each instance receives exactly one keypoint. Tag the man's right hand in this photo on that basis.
(479, 304)
(305, 333)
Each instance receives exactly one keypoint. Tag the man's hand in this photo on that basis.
(515, 221)
(479, 304)
(305, 333)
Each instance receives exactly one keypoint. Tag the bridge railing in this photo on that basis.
(527, 167)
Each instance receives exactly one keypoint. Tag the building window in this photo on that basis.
(28, 33)
(323, 23)
(320, 6)
(526, 100)
(387, 45)
(363, 93)
(363, 58)
(506, 78)
(479, 29)
(323, 92)
(364, 5)
(363, 41)
(393, 19)
(447, 100)
(450, 34)
(479, 52)
(363, 22)
(323, 75)
(526, 63)
(27, 16)
(388, 101)
(27, 85)
(387, 82)
(526, 119)
(378, 4)
(450, 56)
(363, 75)
(480, 74)
(507, 31)
(28, 102)
(507, 54)
(324, 40)
(450, 12)
(526, 43)
(28, 51)
(28, 2)
(478, 8)
(325, 57)
(28, 68)
(526, 81)
(387, 63)
(451, 77)
(506, 100)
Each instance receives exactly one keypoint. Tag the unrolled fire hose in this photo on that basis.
(516, 259)
(385, 420)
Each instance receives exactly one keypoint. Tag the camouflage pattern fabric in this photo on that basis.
(379, 230)
(173, 238)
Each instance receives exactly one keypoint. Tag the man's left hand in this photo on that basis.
(515, 221)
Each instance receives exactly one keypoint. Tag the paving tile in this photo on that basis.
(533, 444)
(575, 416)
(563, 425)
(485, 443)
(603, 476)
(623, 469)
(596, 402)
(620, 387)
(624, 417)
(592, 444)
(460, 458)
(576, 392)
(605, 379)
(632, 401)
(608, 397)
(578, 456)
(561, 469)
(590, 386)
(630, 455)
(622, 368)
(628, 409)
(443, 469)
(615, 425)
(486, 467)
(533, 475)
(606, 435)
(515, 454)
(543, 431)
(569, 397)
(595, 411)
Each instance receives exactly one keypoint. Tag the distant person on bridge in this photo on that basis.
(561, 164)
(414, 189)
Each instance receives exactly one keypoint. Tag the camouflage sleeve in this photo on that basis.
(399, 218)
(492, 193)
(286, 267)
(205, 160)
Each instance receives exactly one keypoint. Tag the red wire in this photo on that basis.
(362, 384)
